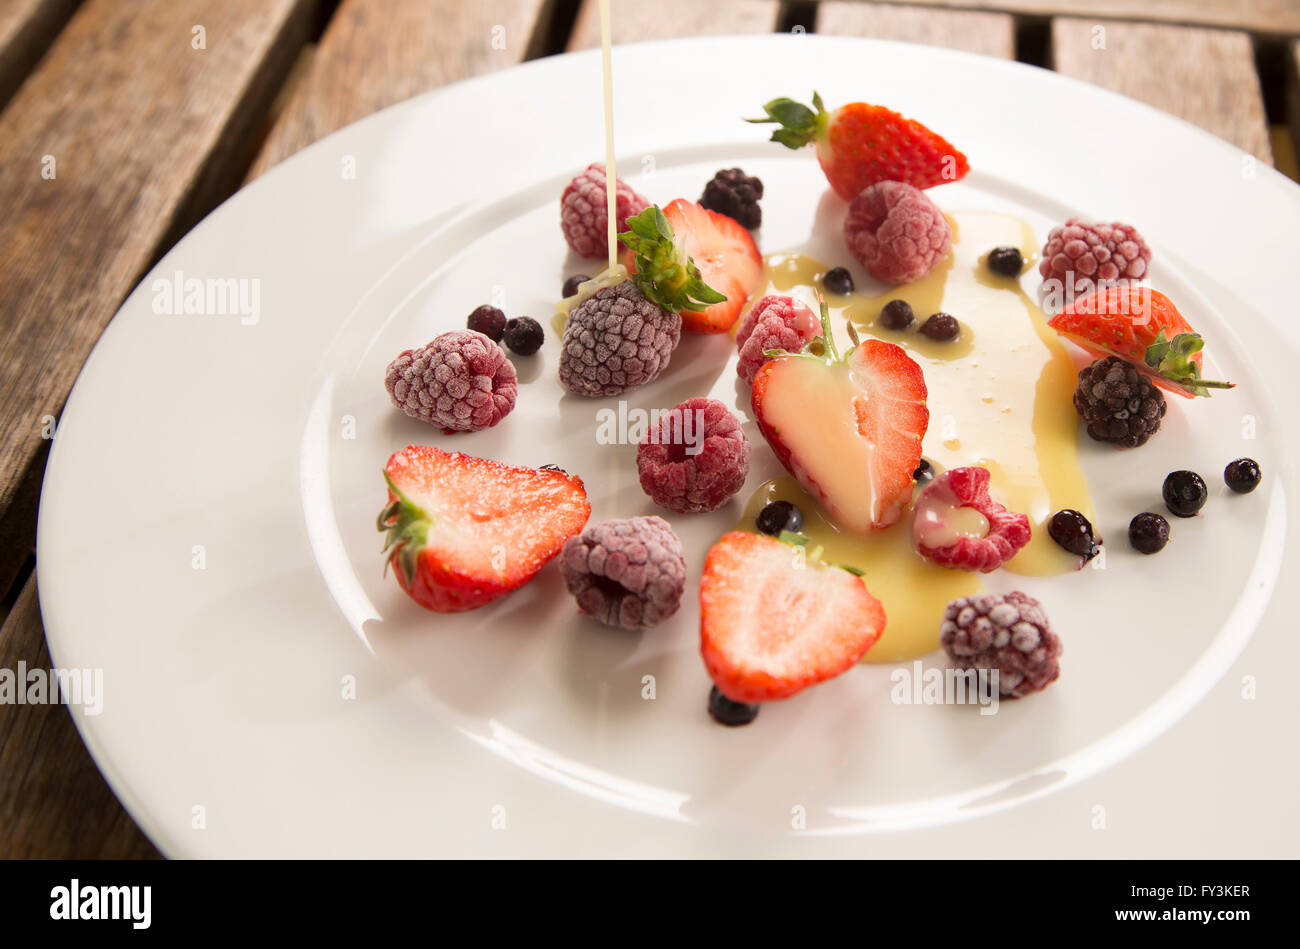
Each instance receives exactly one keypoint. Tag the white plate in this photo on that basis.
(258, 448)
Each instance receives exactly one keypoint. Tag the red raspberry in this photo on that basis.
(1004, 632)
(1080, 254)
(896, 232)
(628, 573)
(969, 487)
(461, 382)
(582, 211)
(773, 323)
(695, 458)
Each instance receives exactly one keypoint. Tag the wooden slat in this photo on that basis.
(1293, 98)
(1275, 17)
(991, 34)
(1204, 76)
(53, 802)
(26, 29)
(378, 52)
(632, 21)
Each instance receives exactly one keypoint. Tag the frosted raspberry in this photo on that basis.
(968, 487)
(695, 458)
(461, 382)
(582, 211)
(628, 573)
(773, 323)
(896, 232)
(615, 340)
(1080, 254)
(1007, 632)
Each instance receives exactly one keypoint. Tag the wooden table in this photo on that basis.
(124, 123)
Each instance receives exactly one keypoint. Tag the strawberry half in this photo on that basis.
(1144, 327)
(727, 258)
(860, 144)
(774, 621)
(463, 531)
(849, 429)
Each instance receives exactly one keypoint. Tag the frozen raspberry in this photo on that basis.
(966, 487)
(773, 323)
(627, 573)
(582, 211)
(615, 340)
(461, 381)
(1079, 255)
(896, 232)
(1004, 632)
(695, 458)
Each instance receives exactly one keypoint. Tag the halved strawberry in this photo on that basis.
(849, 429)
(774, 621)
(727, 257)
(463, 531)
(860, 144)
(1144, 327)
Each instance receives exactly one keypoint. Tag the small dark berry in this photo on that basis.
(489, 321)
(838, 280)
(779, 516)
(735, 194)
(524, 335)
(1006, 261)
(1242, 475)
(1184, 493)
(1148, 533)
(1073, 532)
(924, 472)
(941, 327)
(571, 285)
(897, 315)
(727, 712)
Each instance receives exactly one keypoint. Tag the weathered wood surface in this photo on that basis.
(26, 29)
(634, 20)
(990, 34)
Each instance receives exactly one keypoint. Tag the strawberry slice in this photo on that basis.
(1144, 327)
(463, 531)
(727, 258)
(860, 144)
(774, 621)
(849, 429)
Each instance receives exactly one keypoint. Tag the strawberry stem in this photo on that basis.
(799, 124)
(666, 280)
(407, 529)
(1172, 360)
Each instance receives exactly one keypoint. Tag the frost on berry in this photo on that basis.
(695, 458)
(628, 573)
(1083, 257)
(896, 232)
(615, 340)
(583, 216)
(461, 382)
(774, 322)
(1008, 633)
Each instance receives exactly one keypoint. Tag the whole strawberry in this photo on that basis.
(860, 144)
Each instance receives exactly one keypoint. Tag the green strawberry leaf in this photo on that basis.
(799, 124)
(1172, 360)
(666, 280)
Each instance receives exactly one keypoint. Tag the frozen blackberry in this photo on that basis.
(896, 315)
(628, 573)
(941, 327)
(461, 382)
(695, 458)
(1148, 533)
(1073, 533)
(1007, 633)
(571, 285)
(524, 335)
(1118, 403)
(1007, 261)
(727, 712)
(1242, 475)
(489, 321)
(924, 472)
(1184, 493)
(838, 280)
(735, 194)
(778, 516)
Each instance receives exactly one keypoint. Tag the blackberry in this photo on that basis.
(1242, 475)
(1118, 403)
(571, 285)
(489, 321)
(838, 280)
(727, 712)
(735, 194)
(524, 335)
(779, 516)
(1184, 493)
(1006, 261)
(897, 315)
(924, 472)
(941, 327)
(1148, 533)
(1007, 633)
(1073, 533)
